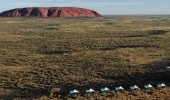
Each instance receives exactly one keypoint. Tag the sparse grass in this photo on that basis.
(38, 55)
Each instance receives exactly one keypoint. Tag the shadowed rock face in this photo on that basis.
(50, 12)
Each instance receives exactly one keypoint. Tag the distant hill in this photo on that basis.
(50, 12)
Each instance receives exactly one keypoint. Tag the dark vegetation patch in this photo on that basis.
(156, 32)
(26, 93)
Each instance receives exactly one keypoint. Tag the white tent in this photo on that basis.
(134, 87)
(119, 88)
(148, 86)
(104, 89)
(90, 90)
(168, 67)
(159, 85)
(74, 91)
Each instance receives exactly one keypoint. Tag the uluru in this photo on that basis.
(50, 12)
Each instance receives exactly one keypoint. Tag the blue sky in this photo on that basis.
(109, 7)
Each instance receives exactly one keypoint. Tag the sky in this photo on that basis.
(105, 7)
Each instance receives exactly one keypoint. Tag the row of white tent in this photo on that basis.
(119, 88)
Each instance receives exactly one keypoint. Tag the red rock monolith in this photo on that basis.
(50, 12)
